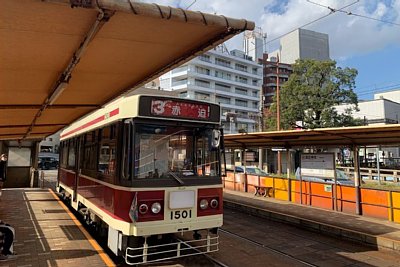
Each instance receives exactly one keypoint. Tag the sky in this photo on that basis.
(368, 39)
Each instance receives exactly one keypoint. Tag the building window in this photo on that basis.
(241, 103)
(255, 82)
(179, 82)
(202, 83)
(201, 96)
(205, 58)
(201, 70)
(241, 67)
(176, 70)
(240, 91)
(222, 75)
(241, 79)
(222, 62)
(223, 100)
(222, 87)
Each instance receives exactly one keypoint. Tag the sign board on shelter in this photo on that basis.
(318, 165)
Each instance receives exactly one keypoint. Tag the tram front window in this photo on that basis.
(178, 152)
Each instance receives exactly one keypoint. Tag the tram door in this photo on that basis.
(78, 149)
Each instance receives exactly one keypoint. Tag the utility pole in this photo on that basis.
(278, 113)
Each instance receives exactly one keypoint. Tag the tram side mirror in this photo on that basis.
(215, 138)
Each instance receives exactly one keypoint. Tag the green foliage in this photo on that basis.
(310, 94)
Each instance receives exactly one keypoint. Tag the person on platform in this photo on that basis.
(7, 235)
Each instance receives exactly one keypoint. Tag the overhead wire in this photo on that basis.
(377, 90)
(315, 20)
(353, 14)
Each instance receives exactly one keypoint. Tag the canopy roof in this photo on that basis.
(58, 63)
(328, 137)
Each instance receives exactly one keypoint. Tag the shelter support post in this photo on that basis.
(289, 167)
(243, 163)
(279, 171)
(357, 179)
(378, 167)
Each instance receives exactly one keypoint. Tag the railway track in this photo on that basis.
(264, 246)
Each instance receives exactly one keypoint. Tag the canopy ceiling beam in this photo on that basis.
(62, 82)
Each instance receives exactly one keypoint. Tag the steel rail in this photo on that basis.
(266, 247)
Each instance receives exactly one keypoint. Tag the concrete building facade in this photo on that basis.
(303, 44)
(383, 109)
(231, 79)
(270, 75)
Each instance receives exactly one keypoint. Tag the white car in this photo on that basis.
(341, 178)
(251, 170)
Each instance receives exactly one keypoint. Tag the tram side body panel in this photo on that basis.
(113, 204)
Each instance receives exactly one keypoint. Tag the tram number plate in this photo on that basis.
(181, 214)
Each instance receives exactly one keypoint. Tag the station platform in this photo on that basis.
(369, 231)
(47, 234)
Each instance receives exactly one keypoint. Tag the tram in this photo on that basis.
(143, 169)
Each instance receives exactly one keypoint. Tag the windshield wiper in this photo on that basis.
(176, 177)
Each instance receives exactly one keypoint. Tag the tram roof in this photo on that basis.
(328, 137)
(50, 76)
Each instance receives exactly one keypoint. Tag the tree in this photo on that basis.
(310, 94)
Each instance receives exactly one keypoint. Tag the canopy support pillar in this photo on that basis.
(357, 180)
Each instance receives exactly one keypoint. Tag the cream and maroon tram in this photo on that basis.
(143, 168)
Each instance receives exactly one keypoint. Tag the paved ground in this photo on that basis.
(46, 235)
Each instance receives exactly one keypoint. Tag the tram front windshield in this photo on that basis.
(179, 152)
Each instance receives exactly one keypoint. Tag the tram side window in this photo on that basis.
(64, 154)
(90, 153)
(71, 154)
(107, 151)
(207, 157)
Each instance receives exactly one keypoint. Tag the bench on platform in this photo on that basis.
(263, 191)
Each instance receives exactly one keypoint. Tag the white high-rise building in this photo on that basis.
(253, 44)
(227, 78)
(303, 44)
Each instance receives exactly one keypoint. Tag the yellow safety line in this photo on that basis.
(93, 242)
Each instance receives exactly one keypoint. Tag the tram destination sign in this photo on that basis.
(181, 109)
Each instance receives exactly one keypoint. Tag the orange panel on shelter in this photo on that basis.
(321, 195)
(374, 211)
(372, 196)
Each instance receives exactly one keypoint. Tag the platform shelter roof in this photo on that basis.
(61, 59)
(324, 137)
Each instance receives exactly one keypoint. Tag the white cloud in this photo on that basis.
(349, 35)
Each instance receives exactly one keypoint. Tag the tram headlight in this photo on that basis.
(203, 204)
(156, 207)
(143, 208)
(214, 203)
